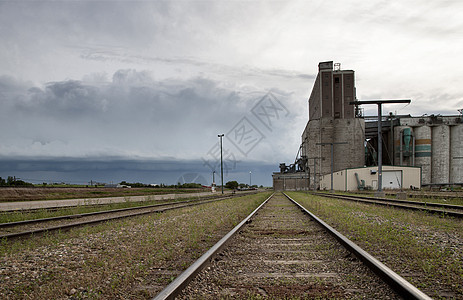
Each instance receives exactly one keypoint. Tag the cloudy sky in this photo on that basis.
(139, 90)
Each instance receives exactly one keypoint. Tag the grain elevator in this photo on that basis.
(338, 137)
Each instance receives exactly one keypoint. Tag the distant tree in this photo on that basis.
(191, 185)
(134, 184)
(12, 181)
(231, 184)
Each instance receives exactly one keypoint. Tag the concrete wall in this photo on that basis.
(456, 154)
(352, 154)
(440, 149)
(290, 181)
(329, 130)
(423, 152)
(345, 180)
(314, 101)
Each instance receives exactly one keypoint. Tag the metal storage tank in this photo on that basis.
(423, 152)
(440, 154)
(407, 143)
(456, 150)
(397, 130)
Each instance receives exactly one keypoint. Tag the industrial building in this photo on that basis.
(394, 177)
(338, 139)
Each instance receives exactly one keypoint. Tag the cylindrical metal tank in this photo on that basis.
(456, 154)
(440, 154)
(423, 152)
(402, 145)
(397, 130)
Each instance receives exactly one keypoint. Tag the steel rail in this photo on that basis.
(395, 281)
(176, 286)
(412, 195)
(51, 208)
(11, 236)
(395, 203)
(432, 204)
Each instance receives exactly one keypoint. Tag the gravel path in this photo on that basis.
(284, 254)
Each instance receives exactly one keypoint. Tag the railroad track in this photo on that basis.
(437, 208)
(439, 195)
(58, 208)
(27, 228)
(283, 251)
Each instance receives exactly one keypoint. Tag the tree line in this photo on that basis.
(235, 185)
(12, 181)
(162, 185)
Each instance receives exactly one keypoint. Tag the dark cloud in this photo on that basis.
(83, 170)
(132, 115)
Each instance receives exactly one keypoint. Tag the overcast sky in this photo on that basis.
(159, 80)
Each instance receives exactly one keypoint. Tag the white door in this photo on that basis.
(392, 179)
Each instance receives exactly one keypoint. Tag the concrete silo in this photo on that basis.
(423, 152)
(456, 154)
(440, 154)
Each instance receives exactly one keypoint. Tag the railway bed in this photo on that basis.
(436, 208)
(279, 252)
(27, 228)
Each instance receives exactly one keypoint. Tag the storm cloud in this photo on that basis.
(131, 115)
(159, 80)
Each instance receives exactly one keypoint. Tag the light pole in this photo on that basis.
(379, 103)
(250, 179)
(221, 160)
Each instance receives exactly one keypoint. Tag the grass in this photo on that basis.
(132, 258)
(415, 244)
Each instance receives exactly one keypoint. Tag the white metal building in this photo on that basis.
(394, 177)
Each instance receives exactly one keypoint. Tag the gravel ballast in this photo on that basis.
(282, 253)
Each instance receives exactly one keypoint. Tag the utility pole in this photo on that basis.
(221, 159)
(332, 157)
(379, 103)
